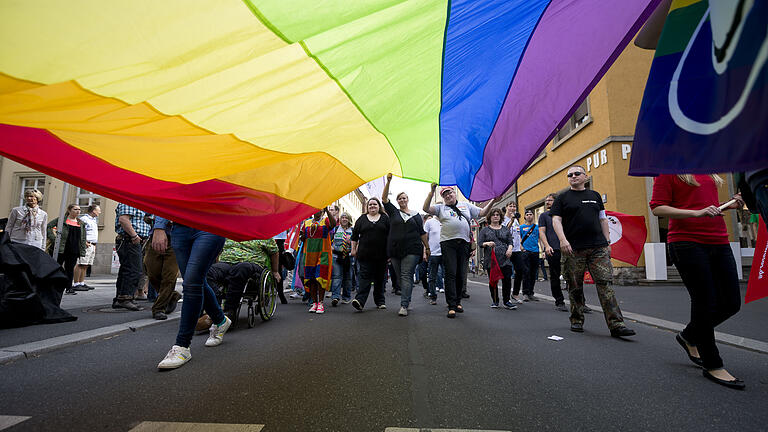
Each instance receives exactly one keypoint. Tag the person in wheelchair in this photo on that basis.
(239, 262)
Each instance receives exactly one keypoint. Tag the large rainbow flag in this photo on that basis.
(243, 117)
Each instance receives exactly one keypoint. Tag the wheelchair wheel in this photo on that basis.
(267, 296)
(237, 315)
(251, 314)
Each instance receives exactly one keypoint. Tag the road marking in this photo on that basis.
(8, 421)
(397, 429)
(738, 341)
(149, 426)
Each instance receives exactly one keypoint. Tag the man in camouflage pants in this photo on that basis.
(579, 220)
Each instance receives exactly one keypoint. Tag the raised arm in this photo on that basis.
(427, 202)
(488, 207)
(385, 191)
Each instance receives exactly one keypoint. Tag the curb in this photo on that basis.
(31, 349)
(729, 339)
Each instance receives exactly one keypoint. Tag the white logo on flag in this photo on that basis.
(614, 228)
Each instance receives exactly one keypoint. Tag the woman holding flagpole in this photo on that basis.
(698, 245)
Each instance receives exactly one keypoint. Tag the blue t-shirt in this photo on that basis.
(531, 244)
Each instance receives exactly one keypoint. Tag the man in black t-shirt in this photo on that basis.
(578, 218)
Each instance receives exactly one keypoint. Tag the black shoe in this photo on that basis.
(696, 360)
(432, 301)
(88, 286)
(735, 384)
(398, 292)
(622, 331)
(451, 314)
(80, 288)
(561, 307)
(172, 303)
(335, 302)
(356, 304)
(126, 304)
(460, 309)
(159, 315)
(586, 309)
(577, 327)
(70, 291)
(464, 295)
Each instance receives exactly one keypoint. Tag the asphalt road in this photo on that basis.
(346, 371)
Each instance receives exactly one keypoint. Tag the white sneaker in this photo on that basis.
(295, 296)
(346, 301)
(313, 309)
(381, 306)
(403, 311)
(441, 290)
(176, 357)
(217, 333)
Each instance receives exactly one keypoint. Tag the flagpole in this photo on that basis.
(60, 225)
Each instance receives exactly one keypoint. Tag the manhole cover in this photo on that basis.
(106, 309)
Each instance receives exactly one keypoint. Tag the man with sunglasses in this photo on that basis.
(579, 220)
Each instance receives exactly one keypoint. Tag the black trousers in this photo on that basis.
(519, 265)
(129, 275)
(455, 256)
(371, 272)
(68, 261)
(710, 275)
(554, 276)
(506, 285)
(531, 260)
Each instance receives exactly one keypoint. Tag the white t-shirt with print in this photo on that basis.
(432, 228)
(515, 229)
(453, 226)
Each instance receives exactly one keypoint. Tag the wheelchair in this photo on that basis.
(260, 296)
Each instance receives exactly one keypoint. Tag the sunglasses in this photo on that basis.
(574, 174)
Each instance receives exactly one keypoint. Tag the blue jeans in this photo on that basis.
(435, 274)
(404, 268)
(195, 252)
(342, 278)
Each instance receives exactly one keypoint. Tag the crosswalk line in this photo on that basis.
(8, 421)
(150, 426)
(399, 429)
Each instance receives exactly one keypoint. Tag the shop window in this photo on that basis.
(578, 120)
(29, 183)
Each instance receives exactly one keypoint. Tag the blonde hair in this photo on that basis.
(691, 181)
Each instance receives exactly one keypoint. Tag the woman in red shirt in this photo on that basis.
(698, 245)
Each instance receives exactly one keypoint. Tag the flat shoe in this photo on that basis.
(460, 309)
(735, 384)
(696, 360)
(451, 314)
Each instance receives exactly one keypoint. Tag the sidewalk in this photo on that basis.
(95, 319)
(665, 306)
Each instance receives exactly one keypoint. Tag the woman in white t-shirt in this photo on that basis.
(454, 241)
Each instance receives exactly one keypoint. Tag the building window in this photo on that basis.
(86, 198)
(578, 120)
(29, 183)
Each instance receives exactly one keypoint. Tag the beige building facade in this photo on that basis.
(15, 178)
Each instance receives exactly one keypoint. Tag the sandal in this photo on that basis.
(460, 309)
(451, 314)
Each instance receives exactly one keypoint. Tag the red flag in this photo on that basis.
(757, 287)
(628, 235)
(495, 274)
